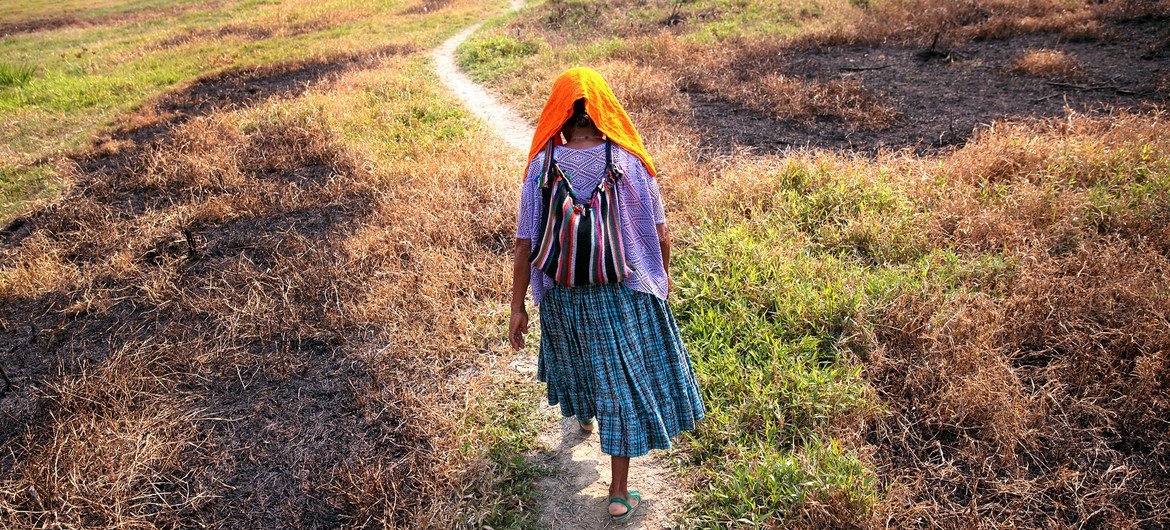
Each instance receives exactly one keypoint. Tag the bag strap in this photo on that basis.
(548, 164)
(610, 169)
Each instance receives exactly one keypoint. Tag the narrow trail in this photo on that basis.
(505, 122)
(575, 495)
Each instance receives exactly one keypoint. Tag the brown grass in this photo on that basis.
(250, 308)
(1030, 391)
(251, 321)
(1048, 63)
(1039, 397)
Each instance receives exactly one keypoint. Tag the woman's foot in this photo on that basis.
(623, 506)
(587, 425)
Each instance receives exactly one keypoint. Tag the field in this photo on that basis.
(924, 249)
(242, 309)
(254, 260)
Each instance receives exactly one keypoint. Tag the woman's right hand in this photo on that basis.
(517, 328)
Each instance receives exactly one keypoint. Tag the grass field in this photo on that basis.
(245, 306)
(254, 261)
(972, 337)
(102, 61)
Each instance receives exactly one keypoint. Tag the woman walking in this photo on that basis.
(592, 241)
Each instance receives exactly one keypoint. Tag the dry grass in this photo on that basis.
(1036, 395)
(1048, 63)
(1016, 323)
(257, 305)
(255, 320)
(653, 75)
(1025, 382)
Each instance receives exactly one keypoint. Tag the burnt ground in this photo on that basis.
(71, 20)
(945, 95)
(275, 427)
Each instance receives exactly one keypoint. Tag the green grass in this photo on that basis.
(85, 77)
(487, 57)
(509, 429)
(15, 75)
(776, 290)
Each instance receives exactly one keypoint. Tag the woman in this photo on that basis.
(610, 345)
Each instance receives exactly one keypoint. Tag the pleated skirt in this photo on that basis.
(614, 353)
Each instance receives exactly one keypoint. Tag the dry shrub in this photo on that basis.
(1048, 63)
(1132, 10)
(1085, 31)
(41, 271)
(1048, 411)
(1046, 172)
(644, 88)
(662, 113)
(1036, 395)
(793, 98)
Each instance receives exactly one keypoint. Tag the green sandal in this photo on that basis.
(583, 424)
(629, 509)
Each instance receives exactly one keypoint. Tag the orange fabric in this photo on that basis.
(601, 105)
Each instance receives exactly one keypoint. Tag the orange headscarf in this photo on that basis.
(601, 105)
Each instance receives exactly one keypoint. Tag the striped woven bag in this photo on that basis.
(580, 244)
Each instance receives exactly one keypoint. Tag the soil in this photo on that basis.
(575, 495)
(944, 96)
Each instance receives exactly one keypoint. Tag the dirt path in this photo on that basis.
(575, 495)
(505, 122)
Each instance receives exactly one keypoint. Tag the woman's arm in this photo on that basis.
(521, 271)
(521, 275)
(664, 244)
(658, 210)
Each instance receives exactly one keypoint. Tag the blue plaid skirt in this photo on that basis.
(614, 353)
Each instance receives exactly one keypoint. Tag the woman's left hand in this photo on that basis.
(517, 328)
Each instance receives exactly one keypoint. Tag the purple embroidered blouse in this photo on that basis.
(641, 210)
